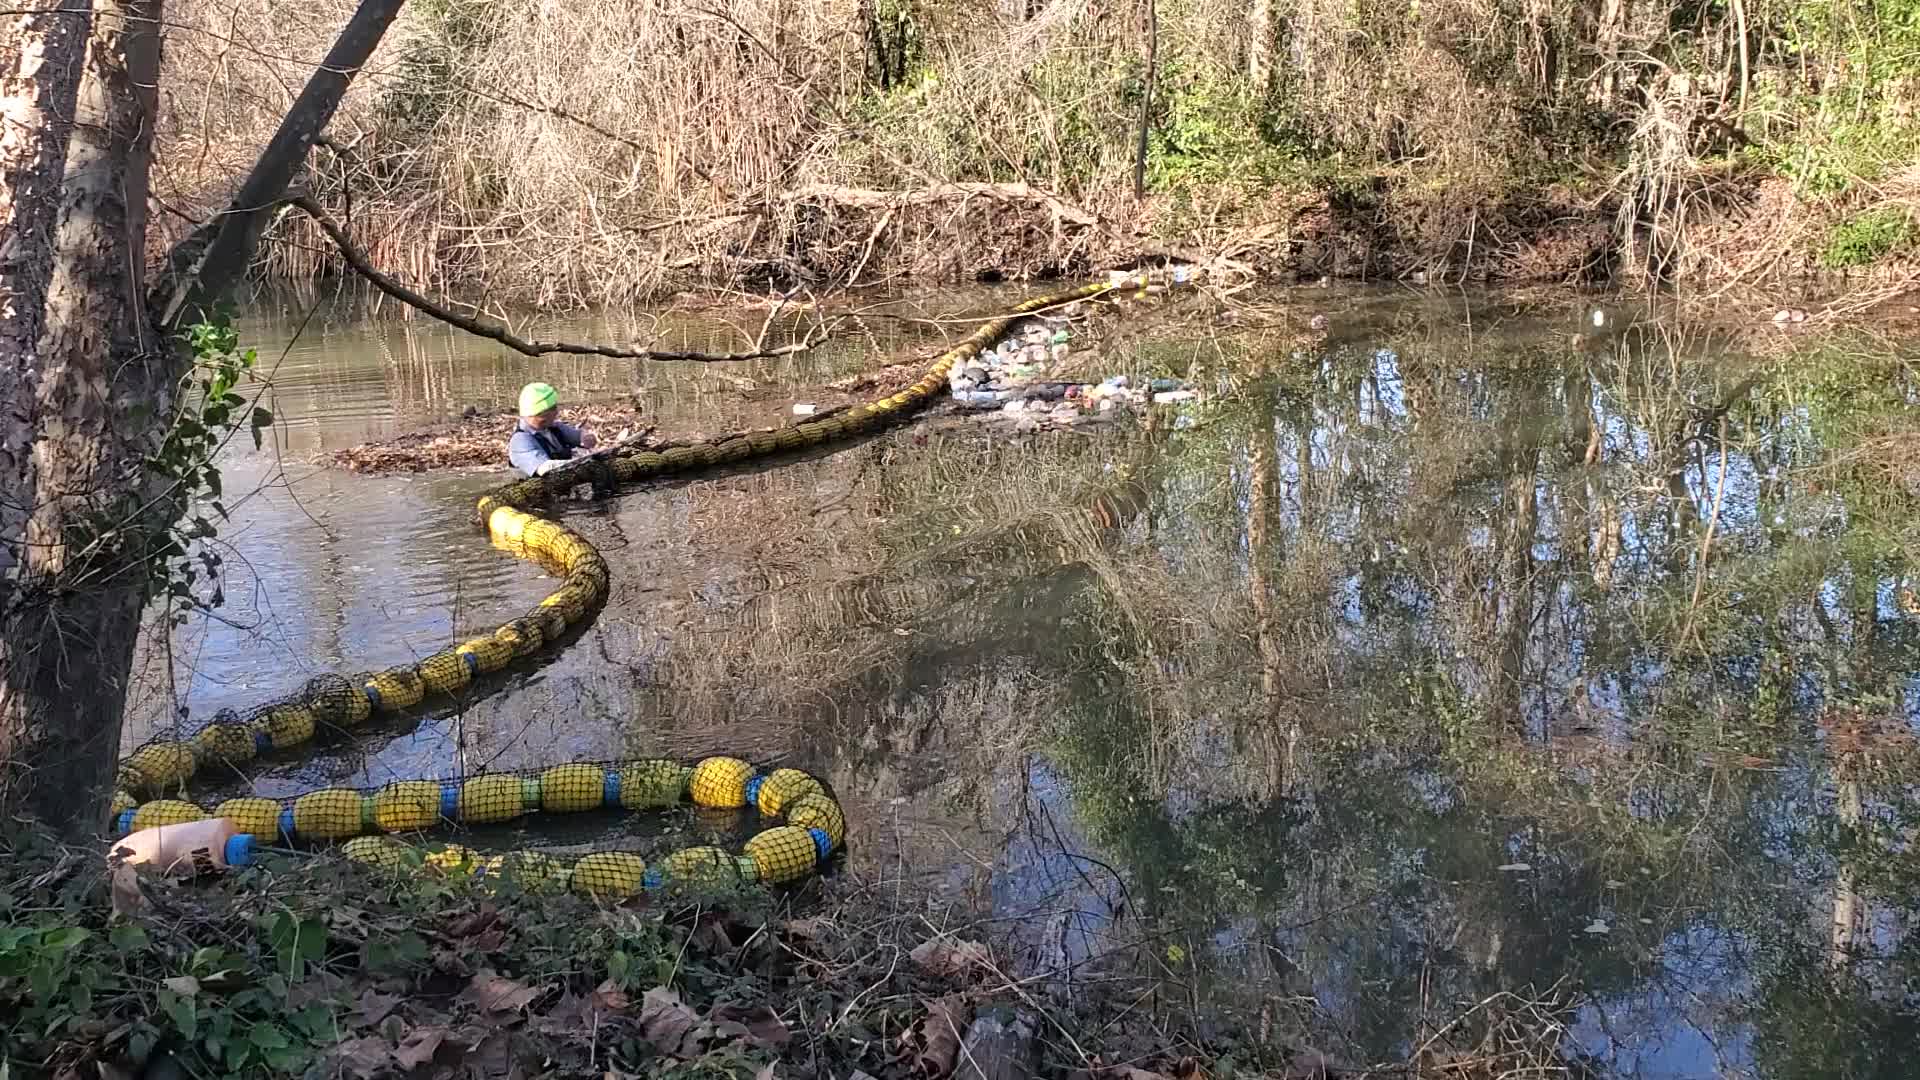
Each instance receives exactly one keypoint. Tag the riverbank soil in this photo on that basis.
(849, 143)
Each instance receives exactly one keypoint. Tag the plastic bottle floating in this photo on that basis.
(808, 822)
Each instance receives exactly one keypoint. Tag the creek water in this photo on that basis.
(1492, 676)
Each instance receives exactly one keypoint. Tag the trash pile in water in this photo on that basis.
(1012, 382)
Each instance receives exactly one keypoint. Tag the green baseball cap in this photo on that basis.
(536, 398)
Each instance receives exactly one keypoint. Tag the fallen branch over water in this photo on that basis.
(363, 266)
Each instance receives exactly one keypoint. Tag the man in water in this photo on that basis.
(541, 443)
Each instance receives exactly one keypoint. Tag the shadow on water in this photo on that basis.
(1481, 685)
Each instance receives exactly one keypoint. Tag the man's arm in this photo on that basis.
(574, 437)
(526, 454)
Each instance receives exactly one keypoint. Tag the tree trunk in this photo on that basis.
(1259, 44)
(108, 367)
(69, 636)
(40, 58)
(1280, 727)
(1848, 910)
(1146, 102)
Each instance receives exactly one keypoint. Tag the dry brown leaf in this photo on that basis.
(609, 997)
(946, 957)
(373, 1007)
(472, 923)
(667, 1023)
(759, 1024)
(1188, 1068)
(710, 935)
(945, 1025)
(419, 1046)
(127, 899)
(492, 1055)
(496, 993)
(576, 1013)
(363, 1057)
(452, 961)
(816, 930)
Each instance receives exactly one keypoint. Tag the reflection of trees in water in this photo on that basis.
(1550, 585)
(1392, 618)
(886, 611)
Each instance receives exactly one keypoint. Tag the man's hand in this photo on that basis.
(588, 441)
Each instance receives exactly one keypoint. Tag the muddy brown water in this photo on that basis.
(1386, 686)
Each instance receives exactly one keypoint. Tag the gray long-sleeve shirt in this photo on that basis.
(528, 449)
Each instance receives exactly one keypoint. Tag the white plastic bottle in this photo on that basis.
(191, 847)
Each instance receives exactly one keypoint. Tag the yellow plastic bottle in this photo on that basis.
(193, 846)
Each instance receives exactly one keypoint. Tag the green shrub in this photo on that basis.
(1863, 238)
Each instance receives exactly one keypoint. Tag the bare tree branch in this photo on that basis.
(208, 263)
(357, 259)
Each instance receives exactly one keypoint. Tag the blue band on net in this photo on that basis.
(753, 790)
(125, 821)
(611, 789)
(286, 823)
(822, 842)
(450, 799)
(262, 741)
(473, 662)
(373, 695)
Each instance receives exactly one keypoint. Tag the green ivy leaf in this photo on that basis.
(65, 937)
(296, 942)
(180, 1010)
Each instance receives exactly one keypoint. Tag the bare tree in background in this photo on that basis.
(1259, 43)
(92, 366)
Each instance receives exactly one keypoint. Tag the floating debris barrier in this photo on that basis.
(154, 776)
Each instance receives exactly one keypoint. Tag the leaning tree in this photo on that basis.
(94, 363)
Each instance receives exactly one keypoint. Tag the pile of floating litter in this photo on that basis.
(1015, 381)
